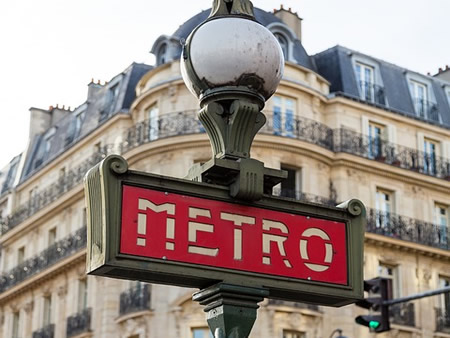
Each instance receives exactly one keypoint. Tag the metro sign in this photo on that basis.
(177, 232)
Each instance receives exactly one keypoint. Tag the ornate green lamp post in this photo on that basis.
(233, 65)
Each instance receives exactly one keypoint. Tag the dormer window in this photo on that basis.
(284, 44)
(369, 89)
(78, 122)
(419, 92)
(161, 55)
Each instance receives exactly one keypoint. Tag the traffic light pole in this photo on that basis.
(417, 296)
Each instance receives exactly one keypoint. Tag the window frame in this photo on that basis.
(152, 115)
(378, 140)
(394, 277)
(443, 229)
(283, 115)
(430, 158)
(47, 309)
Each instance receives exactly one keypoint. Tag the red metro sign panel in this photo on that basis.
(180, 228)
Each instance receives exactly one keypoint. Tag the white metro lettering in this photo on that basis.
(328, 249)
(194, 227)
(169, 208)
(238, 220)
(268, 238)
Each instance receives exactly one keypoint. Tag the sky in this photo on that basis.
(51, 49)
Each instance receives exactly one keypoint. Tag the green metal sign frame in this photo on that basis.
(103, 186)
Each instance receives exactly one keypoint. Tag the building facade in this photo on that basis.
(342, 124)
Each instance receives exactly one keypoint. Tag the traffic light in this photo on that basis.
(379, 290)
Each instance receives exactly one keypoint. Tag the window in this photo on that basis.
(441, 215)
(291, 186)
(20, 255)
(153, 114)
(293, 334)
(366, 81)
(384, 207)
(283, 115)
(419, 94)
(201, 332)
(161, 56)
(52, 236)
(78, 123)
(429, 156)
(82, 294)
(47, 310)
(444, 299)
(16, 325)
(284, 44)
(376, 134)
(390, 272)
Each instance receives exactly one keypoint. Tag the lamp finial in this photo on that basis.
(232, 7)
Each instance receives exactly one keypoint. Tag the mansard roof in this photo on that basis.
(100, 106)
(337, 65)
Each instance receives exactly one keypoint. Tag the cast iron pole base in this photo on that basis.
(231, 309)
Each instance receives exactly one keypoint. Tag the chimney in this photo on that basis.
(291, 19)
(93, 89)
(40, 121)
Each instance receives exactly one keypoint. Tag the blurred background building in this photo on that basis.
(342, 124)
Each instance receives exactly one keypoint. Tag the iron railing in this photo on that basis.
(426, 109)
(297, 305)
(407, 229)
(51, 193)
(135, 299)
(371, 92)
(403, 314)
(46, 332)
(79, 323)
(443, 320)
(305, 197)
(348, 141)
(53, 254)
(184, 123)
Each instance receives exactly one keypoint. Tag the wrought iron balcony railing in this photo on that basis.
(426, 109)
(53, 254)
(348, 141)
(403, 314)
(79, 323)
(46, 332)
(46, 196)
(443, 320)
(297, 305)
(371, 92)
(184, 123)
(135, 299)
(407, 229)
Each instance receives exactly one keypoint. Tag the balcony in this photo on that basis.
(135, 299)
(186, 123)
(407, 229)
(348, 141)
(426, 110)
(443, 320)
(402, 314)
(79, 323)
(46, 332)
(295, 305)
(46, 196)
(372, 93)
(50, 256)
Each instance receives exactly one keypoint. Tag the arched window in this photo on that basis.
(284, 44)
(161, 56)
